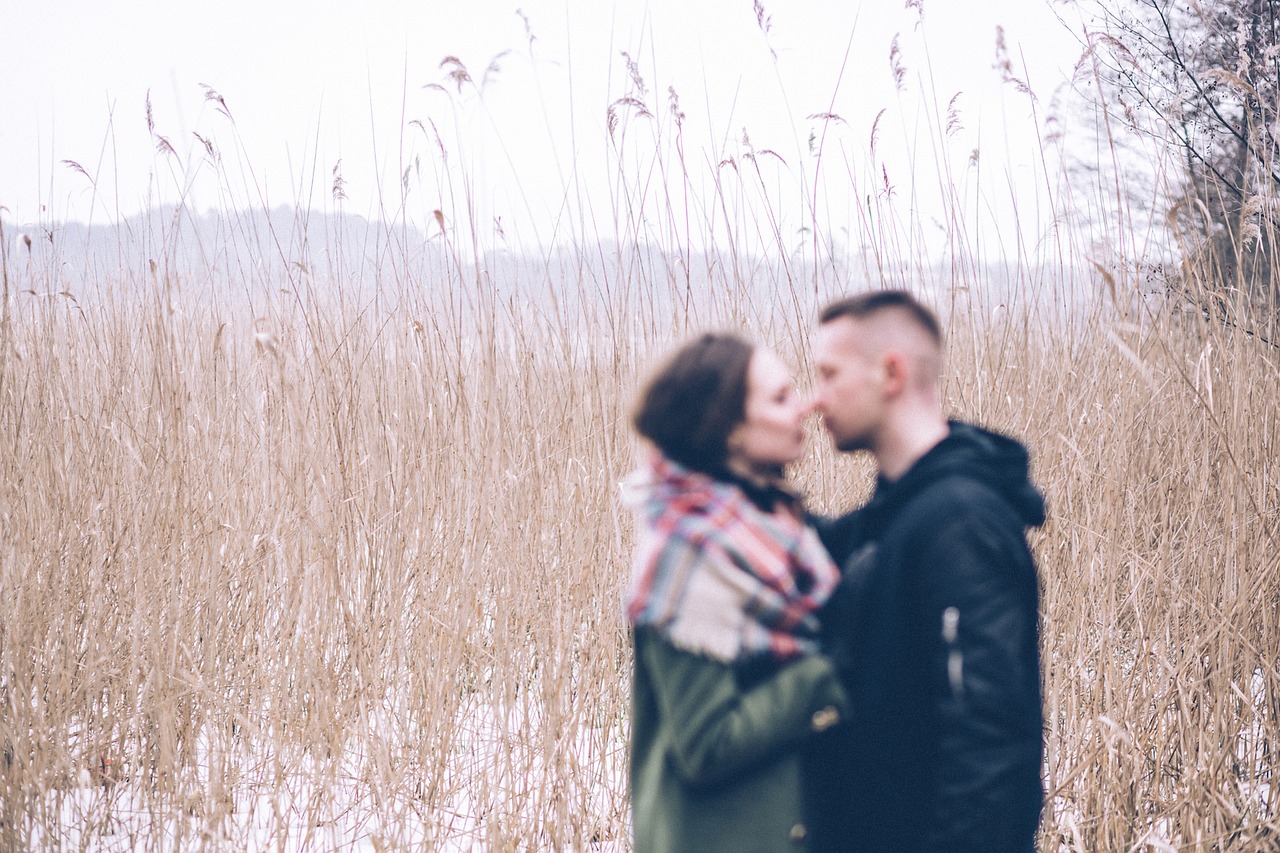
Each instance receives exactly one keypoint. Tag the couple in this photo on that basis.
(863, 683)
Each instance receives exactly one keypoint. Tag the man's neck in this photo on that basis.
(910, 438)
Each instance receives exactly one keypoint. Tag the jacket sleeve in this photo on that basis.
(717, 729)
(986, 682)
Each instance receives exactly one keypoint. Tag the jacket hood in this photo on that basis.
(993, 459)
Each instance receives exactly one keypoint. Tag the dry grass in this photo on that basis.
(283, 566)
(317, 566)
(343, 577)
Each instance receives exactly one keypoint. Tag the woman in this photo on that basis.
(726, 584)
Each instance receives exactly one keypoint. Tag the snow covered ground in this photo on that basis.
(507, 782)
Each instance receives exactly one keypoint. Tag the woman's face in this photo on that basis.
(772, 433)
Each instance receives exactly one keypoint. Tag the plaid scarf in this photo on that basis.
(719, 576)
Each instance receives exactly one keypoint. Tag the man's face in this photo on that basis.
(848, 390)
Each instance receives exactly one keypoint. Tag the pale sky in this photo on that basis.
(310, 84)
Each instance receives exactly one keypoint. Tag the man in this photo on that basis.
(935, 625)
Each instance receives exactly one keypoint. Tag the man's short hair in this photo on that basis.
(863, 305)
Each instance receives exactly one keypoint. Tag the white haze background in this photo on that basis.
(310, 88)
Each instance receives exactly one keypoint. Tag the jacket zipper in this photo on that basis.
(955, 658)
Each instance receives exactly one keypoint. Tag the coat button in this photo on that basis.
(799, 833)
(824, 719)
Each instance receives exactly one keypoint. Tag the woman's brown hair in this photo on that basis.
(693, 401)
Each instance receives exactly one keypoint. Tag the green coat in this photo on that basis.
(715, 766)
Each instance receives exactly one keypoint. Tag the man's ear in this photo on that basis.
(895, 373)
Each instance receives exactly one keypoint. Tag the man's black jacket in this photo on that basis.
(935, 629)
